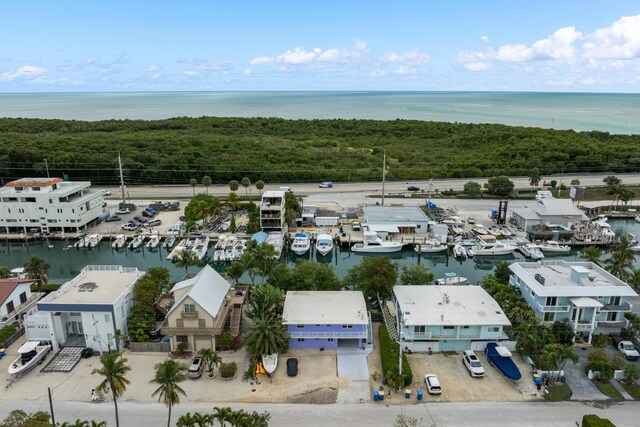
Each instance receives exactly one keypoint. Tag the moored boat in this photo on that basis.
(491, 249)
(374, 244)
(300, 244)
(430, 246)
(169, 242)
(459, 251)
(93, 240)
(276, 239)
(553, 246)
(154, 241)
(120, 241)
(324, 244)
(451, 279)
(136, 242)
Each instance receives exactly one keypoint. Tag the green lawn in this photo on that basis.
(632, 388)
(557, 393)
(608, 389)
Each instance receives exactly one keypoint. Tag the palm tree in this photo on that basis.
(5, 273)
(266, 336)
(592, 254)
(186, 259)
(260, 186)
(168, 375)
(211, 359)
(634, 278)
(615, 190)
(222, 415)
(37, 269)
(239, 418)
(234, 185)
(534, 177)
(114, 368)
(264, 253)
(195, 420)
(246, 182)
(617, 266)
(84, 423)
(206, 181)
(233, 201)
(193, 182)
(235, 271)
(215, 207)
(266, 301)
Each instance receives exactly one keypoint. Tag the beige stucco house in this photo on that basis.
(204, 306)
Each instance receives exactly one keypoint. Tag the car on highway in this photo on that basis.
(326, 185)
(413, 188)
(113, 218)
(292, 366)
(123, 211)
(152, 223)
(473, 364)
(433, 384)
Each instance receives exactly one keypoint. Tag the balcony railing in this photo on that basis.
(616, 307)
(338, 334)
(35, 296)
(553, 308)
(189, 315)
(581, 325)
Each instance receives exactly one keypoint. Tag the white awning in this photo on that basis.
(585, 302)
(386, 228)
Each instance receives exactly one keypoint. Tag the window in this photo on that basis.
(612, 316)
(110, 340)
(329, 339)
(299, 326)
(549, 317)
(10, 307)
(190, 308)
(23, 298)
(107, 318)
(347, 326)
(448, 327)
(300, 339)
(421, 329)
(494, 329)
(35, 189)
(552, 301)
(614, 300)
(533, 294)
(182, 339)
(465, 327)
(74, 314)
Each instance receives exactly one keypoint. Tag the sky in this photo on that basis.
(426, 45)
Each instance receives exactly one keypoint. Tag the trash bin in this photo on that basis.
(376, 395)
(341, 230)
(419, 394)
(381, 395)
(407, 393)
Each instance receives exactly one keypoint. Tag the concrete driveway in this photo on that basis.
(581, 386)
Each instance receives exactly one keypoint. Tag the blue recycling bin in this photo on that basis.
(376, 395)
(419, 394)
(407, 393)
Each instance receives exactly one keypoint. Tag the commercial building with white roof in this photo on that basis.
(87, 310)
(549, 212)
(326, 319)
(48, 205)
(587, 296)
(447, 318)
(395, 219)
(272, 210)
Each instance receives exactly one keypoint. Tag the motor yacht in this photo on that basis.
(300, 244)
(374, 244)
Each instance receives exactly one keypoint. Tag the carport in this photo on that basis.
(352, 359)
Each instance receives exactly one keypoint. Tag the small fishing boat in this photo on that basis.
(238, 249)
(270, 362)
(491, 249)
(500, 357)
(276, 239)
(479, 230)
(532, 251)
(494, 231)
(553, 246)
(82, 242)
(374, 244)
(430, 246)
(459, 251)
(94, 240)
(300, 244)
(218, 252)
(324, 244)
(451, 279)
(457, 230)
(505, 231)
(154, 241)
(30, 354)
(120, 241)
(201, 247)
(136, 242)
(453, 220)
(637, 218)
(170, 242)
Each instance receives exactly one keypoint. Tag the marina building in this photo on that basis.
(16, 299)
(395, 219)
(87, 310)
(48, 205)
(549, 212)
(326, 319)
(447, 318)
(589, 297)
(272, 210)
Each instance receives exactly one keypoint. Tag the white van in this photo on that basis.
(286, 189)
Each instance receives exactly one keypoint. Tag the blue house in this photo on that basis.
(326, 319)
(447, 318)
(589, 297)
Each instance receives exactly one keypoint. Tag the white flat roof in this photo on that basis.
(448, 306)
(273, 193)
(96, 284)
(585, 302)
(324, 308)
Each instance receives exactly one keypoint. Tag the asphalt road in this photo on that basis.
(505, 414)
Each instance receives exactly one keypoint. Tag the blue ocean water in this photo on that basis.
(615, 113)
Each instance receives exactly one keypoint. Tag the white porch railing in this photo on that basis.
(553, 308)
(340, 334)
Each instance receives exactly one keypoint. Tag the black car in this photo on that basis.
(292, 367)
(113, 218)
(413, 188)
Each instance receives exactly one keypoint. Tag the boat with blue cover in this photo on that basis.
(500, 357)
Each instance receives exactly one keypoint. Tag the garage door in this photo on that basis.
(454, 345)
(202, 342)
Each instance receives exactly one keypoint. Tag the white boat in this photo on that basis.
(270, 362)
(459, 251)
(170, 242)
(324, 244)
(604, 228)
(120, 241)
(637, 218)
(82, 242)
(494, 231)
(18, 273)
(201, 247)
(300, 244)
(228, 248)
(30, 354)
(374, 244)
(505, 231)
(553, 246)
(218, 252)
(430, 246)
(276, 239)
(175, 253)
(93, 240)
(451, 279)
(531, 251)
(136, 242)
(452, 220)
(479, 230)
(457, 230)
(491, 249)
(154, 241)
(238, 249)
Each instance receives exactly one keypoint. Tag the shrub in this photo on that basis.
(592, 420)
(182, 347)
(6, 332)
(226, 341)
(86, 353)
(389, 357)
(228, 370)
(601, 341)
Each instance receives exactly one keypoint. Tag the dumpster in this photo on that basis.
(407, 393)
(419, 395)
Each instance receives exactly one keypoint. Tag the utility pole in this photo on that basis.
(53, 418)
(384, 172)
(46, 165)
(121, 177)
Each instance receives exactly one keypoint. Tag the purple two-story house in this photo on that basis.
(326, 319)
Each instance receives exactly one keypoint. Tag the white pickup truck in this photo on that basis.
(629, 350)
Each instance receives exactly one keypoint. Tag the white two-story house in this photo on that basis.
(589, 297)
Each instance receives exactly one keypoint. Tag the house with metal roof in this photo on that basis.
(395, 219)
(549, 212)
(590, 298)
(326, 319)
(202, 306)
(447, 318)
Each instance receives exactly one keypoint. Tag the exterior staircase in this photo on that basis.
(236, 316)
(390, 322)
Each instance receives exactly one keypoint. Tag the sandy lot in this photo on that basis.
(317, 381)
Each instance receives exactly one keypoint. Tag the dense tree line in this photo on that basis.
(180, 149)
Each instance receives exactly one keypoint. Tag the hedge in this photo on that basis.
(228, 370)
(389, 356)
(6, 332)
(592, 420)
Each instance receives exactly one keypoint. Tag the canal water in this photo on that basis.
(66, 262)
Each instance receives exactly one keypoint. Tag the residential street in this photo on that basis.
(506, 414)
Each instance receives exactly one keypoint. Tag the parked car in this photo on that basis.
(196, 368)
(629, 350)
(182, 218)
(130, 227)
(106, 193)
(413, 188)
(147, 214)
(473, 364)
(292, 367)
(471, 220)
(123, 211)
(153, 223)
(326, 185)
(113, 218)
(140, 219)
(355, 225)
(433, 384)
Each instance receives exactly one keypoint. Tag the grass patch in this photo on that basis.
(608, 389)
(558, 393)
(632, 388)
(389, 357)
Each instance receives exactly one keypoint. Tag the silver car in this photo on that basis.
(473, 364)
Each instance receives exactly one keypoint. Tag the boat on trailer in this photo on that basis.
(500, 357)
(270, 362)
(30, 353)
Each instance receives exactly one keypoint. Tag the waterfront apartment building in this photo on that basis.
(48, 205)
(589, 297)
(326, 320)
(272, 210)
(87, 310)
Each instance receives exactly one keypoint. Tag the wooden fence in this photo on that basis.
(150, 347)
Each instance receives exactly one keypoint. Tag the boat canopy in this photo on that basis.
(503, 351)
(386, 228)
(450, 275)
(302, 235)
(28, 347)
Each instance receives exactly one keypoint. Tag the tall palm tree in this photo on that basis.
(206, 181)
(266, 336)
(215, 207)
(534, 177)
(617, 266)
(239, 418)
(634, 278)
(168, 375)
(186, 259)
(592, 254)
(195, 420)
(266, 301)
(222, 415)
(264, 253)
(37, 269)
(114, 368)
(235, 271)
(233, 201)
(211, 359)
(193, 182)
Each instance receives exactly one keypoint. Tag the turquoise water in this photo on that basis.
(67, 263)
(615, 113)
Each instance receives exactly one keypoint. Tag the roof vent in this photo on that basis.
(539, 278)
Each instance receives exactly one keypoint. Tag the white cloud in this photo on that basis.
(405, 70)
(621, 40)
(219, 67)
(316, 57)
(411, 57)
(26, 72)
(359, 44)
(484, 38)
(476, 66)
(152, 68)
(246, 71)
